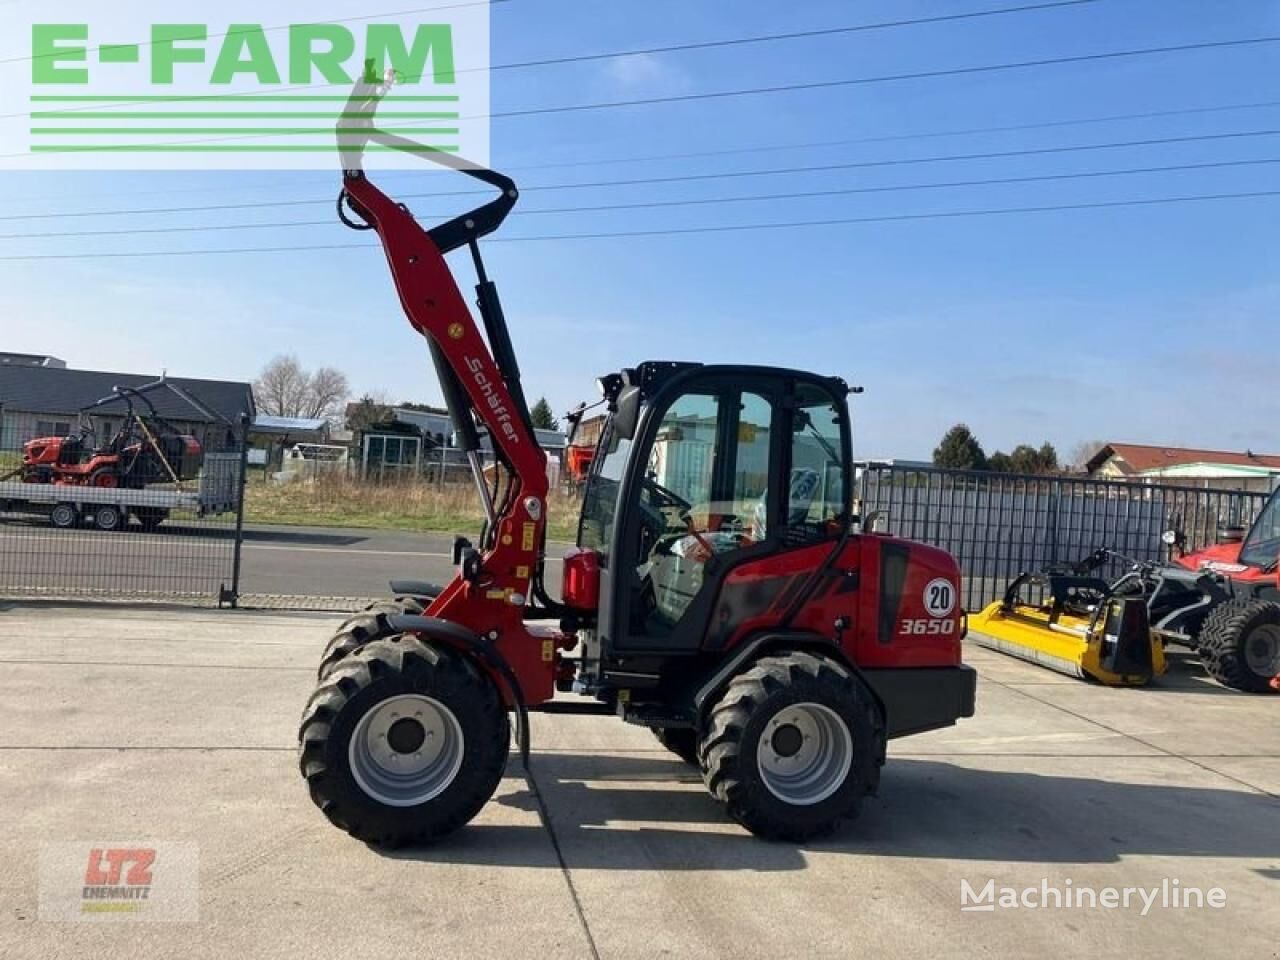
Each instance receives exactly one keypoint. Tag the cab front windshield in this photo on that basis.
(1262, 546)
(600, 500)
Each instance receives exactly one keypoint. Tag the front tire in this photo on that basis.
(1240, 644)
(793, 746)
(361, 628)
(64, 516)
(405, 743)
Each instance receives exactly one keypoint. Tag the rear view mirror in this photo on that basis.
(626, 415)
(575, 421)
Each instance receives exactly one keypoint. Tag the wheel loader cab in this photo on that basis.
(680, 495)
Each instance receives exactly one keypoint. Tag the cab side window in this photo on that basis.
(816, 499)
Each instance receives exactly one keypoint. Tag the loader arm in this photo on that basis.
(479, 377)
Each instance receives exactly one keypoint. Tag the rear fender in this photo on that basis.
(420, 589)
(764, 644)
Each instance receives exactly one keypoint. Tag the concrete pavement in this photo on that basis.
(173, 725)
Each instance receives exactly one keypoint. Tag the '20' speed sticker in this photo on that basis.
(939, 597)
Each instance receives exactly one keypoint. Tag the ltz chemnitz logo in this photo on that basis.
(140, 85)
(117, 879)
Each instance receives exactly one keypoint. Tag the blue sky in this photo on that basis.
(1148, 324)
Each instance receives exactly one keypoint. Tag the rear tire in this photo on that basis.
(105, 478)
(109, 517)
(793, 746)
(357, 775)
(1240, 644)
(682, 741)
(64, 516)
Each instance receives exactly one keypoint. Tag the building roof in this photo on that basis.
(1134, 458)
(57, 391)
(287, 425)
(31, 359)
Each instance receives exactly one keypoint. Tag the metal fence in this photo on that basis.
(65, 537)
(999, 525)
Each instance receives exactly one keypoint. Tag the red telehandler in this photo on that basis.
(720, 593)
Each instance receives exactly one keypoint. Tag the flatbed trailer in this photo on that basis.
(109, 508)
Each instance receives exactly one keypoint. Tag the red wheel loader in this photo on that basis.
(720, 592)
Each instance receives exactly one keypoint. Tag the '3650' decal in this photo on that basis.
(926, 627)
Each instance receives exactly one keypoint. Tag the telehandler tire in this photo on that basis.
(792, 746)
(682, 741)
(1240, 644)
(405, 743)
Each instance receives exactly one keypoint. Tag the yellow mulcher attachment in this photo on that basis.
(1074, 625)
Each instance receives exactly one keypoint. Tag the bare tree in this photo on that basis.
(285, 389)
(1082, 453)
(327, 392)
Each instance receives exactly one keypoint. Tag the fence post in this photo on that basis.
(239, 538)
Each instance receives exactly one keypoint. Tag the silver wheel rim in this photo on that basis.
(804, 753)
(63, 516)
(406, 750)
(1262, 650)
(108, 518)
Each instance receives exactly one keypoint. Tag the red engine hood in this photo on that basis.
(1223, 558)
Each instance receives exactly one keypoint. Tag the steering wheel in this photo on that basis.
(666, 497)
(683, 509)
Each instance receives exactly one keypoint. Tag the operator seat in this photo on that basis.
(804, 486)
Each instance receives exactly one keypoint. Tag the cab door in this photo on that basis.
(694, 503)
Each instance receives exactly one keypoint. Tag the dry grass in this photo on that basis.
(339, 501)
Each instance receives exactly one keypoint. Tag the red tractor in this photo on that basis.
(145, 450)
(1223, 601)
(720, 594)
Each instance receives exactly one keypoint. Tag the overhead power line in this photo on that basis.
(658, 204)
(679, 231)
(683, 178)
(795, 35)
(921, 135)
(887, 78)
